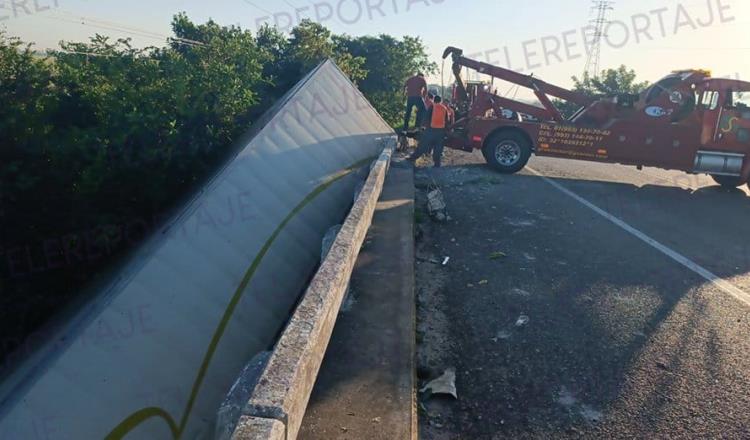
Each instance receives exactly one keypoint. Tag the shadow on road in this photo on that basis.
(622, 341)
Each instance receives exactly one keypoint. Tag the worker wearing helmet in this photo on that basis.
(416, 89)
(433, 139)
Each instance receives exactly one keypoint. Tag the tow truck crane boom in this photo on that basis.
(541, 89)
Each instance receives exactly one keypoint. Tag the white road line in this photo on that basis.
(720, 283)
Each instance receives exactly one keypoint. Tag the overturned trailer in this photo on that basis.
(156, 349)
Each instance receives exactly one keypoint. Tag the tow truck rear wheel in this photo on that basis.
(727, 181)
(507, 152)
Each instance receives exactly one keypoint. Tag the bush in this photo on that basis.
(389, 62)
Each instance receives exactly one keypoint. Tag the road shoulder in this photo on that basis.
(365, 388)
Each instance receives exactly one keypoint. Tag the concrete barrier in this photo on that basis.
(287, 381)
(254, 428)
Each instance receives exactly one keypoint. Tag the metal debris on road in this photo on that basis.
(502, 335)
(436, 205)
(497, 255)
(520, 292)
(428, 260)
(443, 262)
(445, 384)
(519, 223)
(522, 321)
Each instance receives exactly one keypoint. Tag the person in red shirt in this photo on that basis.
(415, 89)
(433, 139)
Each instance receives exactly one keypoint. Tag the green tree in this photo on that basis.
(311, 43)
(147, 123)
(275, 47)
(290, 59)
(28, 100)
(389, 62)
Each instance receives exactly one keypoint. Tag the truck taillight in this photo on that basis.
(477, 138)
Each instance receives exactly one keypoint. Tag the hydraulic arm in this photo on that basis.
(541, 89)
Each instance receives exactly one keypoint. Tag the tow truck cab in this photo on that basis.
(726, 114)
(687, 121)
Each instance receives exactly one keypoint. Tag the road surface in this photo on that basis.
(636, 286)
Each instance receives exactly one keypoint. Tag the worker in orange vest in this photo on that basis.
(433, 138)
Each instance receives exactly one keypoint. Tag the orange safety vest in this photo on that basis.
(439, 116)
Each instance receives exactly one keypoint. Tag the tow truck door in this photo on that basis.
(709, 104)
(726, 120)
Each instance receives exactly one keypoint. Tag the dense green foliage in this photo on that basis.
(101, 134)
(388, 62)
(611, 82)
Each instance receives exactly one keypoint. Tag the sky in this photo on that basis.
(543, 37)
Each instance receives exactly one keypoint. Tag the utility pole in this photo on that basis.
(599, 24)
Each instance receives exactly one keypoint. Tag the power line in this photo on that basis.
(600, 23)
(258, 7)
(108, 23)
(133, 29)
(75, 52)
(696, 48)
(124, 29)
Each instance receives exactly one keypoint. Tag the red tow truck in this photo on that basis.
(687, 121)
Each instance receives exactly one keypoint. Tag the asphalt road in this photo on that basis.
(636, 285)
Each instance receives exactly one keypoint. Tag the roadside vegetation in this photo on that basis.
(99, 140)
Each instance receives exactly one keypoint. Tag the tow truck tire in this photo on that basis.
(727, 181)
(507, 152)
